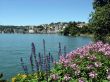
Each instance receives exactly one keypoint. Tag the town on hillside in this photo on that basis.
(44, 28)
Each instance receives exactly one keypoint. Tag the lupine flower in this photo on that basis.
(44, 47)
(33, 49)
(64, 51)
(67, 77)
(34, 54)
(24, 66)
(31, 61)
(40, 59)
(52, 59)
(93, 74)
(48, 59)
(59, 52)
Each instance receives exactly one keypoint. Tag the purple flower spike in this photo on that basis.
(33, 49)
(64, 51)
(40, 61)
(44, 46)
(34, 53)
(31, 61)
(26, 69)
(23, 66)
(59, 53)
(52, 59)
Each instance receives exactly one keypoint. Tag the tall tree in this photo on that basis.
(100, 19)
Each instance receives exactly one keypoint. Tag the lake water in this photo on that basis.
(14, 46)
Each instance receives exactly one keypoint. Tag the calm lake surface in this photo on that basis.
(14, 46)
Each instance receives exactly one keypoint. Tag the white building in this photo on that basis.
(31, 29)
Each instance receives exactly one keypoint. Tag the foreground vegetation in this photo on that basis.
(87, 64)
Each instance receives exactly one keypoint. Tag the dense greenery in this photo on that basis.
(100, 19)
(100, 3)
(73, 29)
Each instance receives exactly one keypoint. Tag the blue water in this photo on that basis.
(14, 46)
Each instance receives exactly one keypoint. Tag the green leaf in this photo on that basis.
(104, 81)
(73, 80)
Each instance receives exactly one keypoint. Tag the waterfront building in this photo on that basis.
(31, 30)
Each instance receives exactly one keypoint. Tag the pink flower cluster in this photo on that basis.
(67, 77)
(83, 51)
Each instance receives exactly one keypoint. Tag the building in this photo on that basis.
(31, 30)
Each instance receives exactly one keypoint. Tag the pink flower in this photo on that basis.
(77, 72)
(67, 77)
(92, 74)
(74, 66)
(108, 77)
(92, 58)
(54, 77)
(98, 64)
(90, 66)
(81, 80)
(108, 71)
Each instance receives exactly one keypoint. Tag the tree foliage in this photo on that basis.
(100, 3)
(100, 19)
(71, 29)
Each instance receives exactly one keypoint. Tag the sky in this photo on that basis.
(36, 12)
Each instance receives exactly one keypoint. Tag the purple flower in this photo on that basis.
(24, 66)
(33, 49)
(31, 61)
